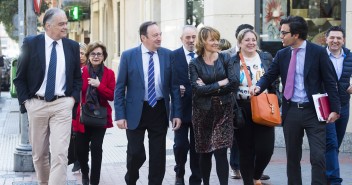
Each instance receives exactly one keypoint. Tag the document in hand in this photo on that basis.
(322, 106)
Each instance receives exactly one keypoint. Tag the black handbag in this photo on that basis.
(238, 116)
(95, 118)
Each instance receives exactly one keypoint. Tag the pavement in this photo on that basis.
(114, 157)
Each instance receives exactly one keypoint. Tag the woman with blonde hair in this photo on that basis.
(213, 81)
(255, 142)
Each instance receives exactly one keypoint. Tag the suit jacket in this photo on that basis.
(319, 75)
(181, 69)
(31, 68)
(130, 89)
(105, 94)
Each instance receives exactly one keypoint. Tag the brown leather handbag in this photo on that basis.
(265, 107)
(265, 110)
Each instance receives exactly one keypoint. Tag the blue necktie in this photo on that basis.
(191, 54)
(151, 81)
(50, 83)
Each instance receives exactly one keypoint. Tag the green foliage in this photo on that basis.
(8, 8)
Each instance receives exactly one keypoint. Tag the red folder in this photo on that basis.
(324, 106)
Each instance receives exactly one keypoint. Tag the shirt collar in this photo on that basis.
(186, 51)
(145, 50)
(302, 46)
(342, 54)
(49, 41)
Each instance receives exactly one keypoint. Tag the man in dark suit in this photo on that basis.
(145, 81)
(182, 144)
(305, 69)
(48, 84)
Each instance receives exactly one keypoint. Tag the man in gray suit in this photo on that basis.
(145, 82)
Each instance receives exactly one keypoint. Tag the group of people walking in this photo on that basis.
(195, 87)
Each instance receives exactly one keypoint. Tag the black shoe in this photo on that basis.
(85, 179)
(76, 166)
(265, 177)
(179, 181)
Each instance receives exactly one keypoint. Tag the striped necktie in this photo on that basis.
(151, 81)
(51, 77)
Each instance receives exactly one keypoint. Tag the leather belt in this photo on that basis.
(300, 105)
(43, 98)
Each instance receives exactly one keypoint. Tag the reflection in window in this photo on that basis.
(319, 14)
(195, 12)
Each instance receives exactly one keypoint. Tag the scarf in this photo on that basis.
(92, 96)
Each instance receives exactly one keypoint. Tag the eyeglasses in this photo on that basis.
(284, 32)
(92, 54)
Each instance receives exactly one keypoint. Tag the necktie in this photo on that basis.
(290, 79)
(191, 54)
(151, 81)
(50, 83)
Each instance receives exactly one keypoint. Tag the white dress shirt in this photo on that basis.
(60, 81)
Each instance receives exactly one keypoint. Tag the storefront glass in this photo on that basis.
(319, 14)
(195, 12)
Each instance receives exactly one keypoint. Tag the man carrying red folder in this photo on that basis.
(341, 58)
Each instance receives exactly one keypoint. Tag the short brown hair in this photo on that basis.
(224, 44)
(95, 45)
(203, 35)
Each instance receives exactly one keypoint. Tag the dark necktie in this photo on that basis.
(151, 81)
(290, 79)
(50, 83)
(191, 54)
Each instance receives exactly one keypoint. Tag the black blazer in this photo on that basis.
(181, 69)
(319, 73)
(31, 68)
(223, 68)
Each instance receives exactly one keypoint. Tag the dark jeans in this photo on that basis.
(181, 147)
(154, 120)
(94, 135)
(334, 136)
(297, 121)
(256, 146)
(235, 155)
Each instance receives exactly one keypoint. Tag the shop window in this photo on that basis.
(319, 14)
(195, 12)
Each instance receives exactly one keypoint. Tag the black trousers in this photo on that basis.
(222, 166)
(256, 146)
(297, 121)
(154, 120)
(95, 136)
(181, 147)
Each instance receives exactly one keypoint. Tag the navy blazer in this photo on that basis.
(319, 75)
(130, 89)
(31, 68)
(181, 69)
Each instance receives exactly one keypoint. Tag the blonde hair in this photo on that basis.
(224, 44)
(203, 35)
(243, 33)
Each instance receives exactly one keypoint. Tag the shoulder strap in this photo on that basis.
(249, 81)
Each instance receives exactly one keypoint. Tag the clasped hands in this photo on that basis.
(94, 82)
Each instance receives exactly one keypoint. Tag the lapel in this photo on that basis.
(41, 53)
(183, 60)
(162, 65)
(309, 59)
(139, 60)
(67, 55)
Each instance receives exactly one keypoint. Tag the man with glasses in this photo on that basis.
(145, 82)
(341, 58)
(48, 84)
(305, 69)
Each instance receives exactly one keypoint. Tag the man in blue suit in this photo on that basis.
(305, 69)
(182, 145)
(145, 82)
(48, 84)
